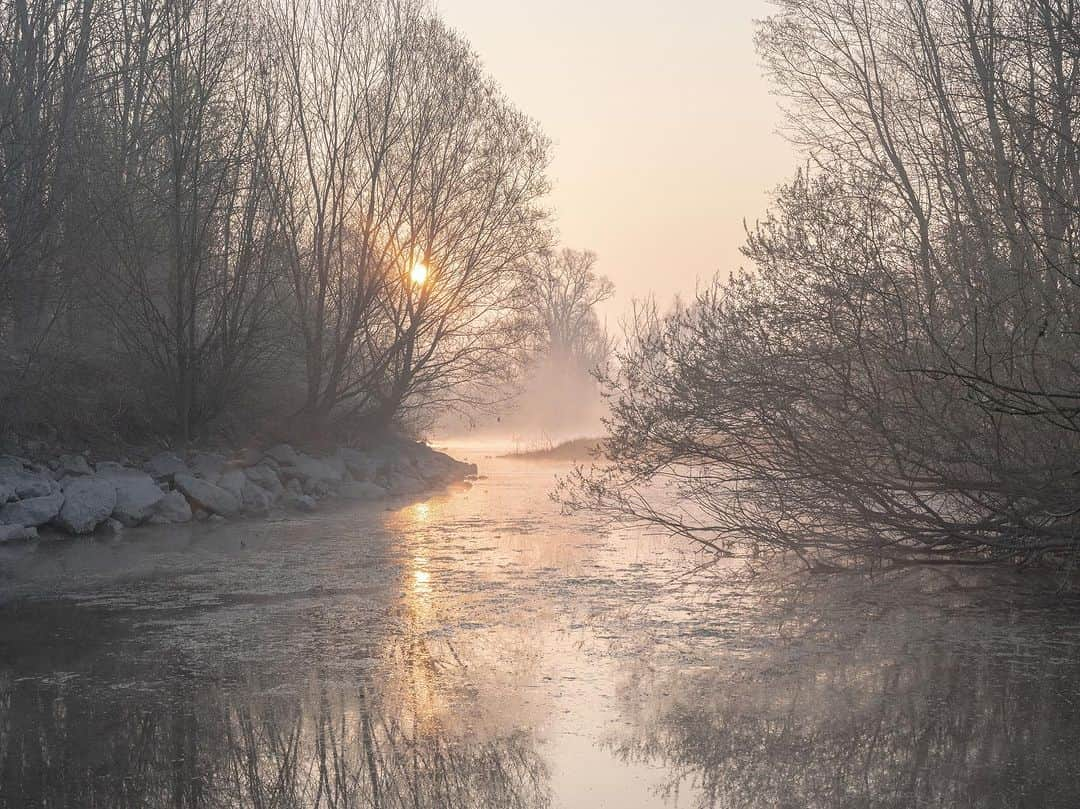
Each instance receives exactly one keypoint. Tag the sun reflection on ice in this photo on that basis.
(421, 512)
(421, 581)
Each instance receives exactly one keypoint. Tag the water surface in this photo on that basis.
(478, 649)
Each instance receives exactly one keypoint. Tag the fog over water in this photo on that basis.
(461, 404)
(477, 648)
(557, 403)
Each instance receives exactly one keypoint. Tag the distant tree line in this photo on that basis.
(566, 343)
(561, 291)
(897, 379)
(210, 212)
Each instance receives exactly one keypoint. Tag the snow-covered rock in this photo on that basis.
(207, 495)
(248, 457)
(361, 465)
(32, 511)
(171, 508)
(136, 496)
(283, 454)
(207, 465)
(71, 466)
(173, 491)
(13, 463)
(263, 476)
(402, 483)
(17, 533)
(165, 465)
(232, 481)
(255, 499)
(19, 481)
(35, 484)
(88, 502)
(312, 469)
(337, 463)
(362, 490)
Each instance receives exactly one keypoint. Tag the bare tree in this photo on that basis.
(185, 203)
(395, 151)
(339, 69)
(561, 292)
(897, 379)
(44, 50)
(209, 205)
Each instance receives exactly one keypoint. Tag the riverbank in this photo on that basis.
(70, 495)
(576, 449)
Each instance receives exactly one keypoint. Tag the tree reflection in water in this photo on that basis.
(867, 703)
(329, 747)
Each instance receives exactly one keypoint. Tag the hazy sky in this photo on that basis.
(664, 130)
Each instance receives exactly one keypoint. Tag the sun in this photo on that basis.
(419, 273)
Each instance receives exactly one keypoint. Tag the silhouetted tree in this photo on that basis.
(209, 207)
(897, 378)
(561, 292)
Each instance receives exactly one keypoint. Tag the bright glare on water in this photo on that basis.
(479, 649)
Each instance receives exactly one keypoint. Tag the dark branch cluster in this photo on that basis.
(211, 209)
(898, 378)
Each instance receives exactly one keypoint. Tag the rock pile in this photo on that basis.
(71, 495)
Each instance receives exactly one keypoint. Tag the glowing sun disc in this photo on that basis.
(419, 274)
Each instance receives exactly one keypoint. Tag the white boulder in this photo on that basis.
(165, 465)
(207, 495)
(361, 465)
(283, 453)
(14, 463)
(263, 476)
(310, 469)
(362, 490)
(32, 511)
(248, 457)
(232, 481)
(207, 465)
(21, 482)
(402, 483)
(255, 499)
(88, 502)
(136, 496)
(337, 463)
(72, 465)
(171, 508)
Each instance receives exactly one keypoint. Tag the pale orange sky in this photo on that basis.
(664, 129)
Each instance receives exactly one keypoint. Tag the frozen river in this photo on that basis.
(478, 649)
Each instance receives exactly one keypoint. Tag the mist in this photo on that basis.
(558, 401)
(326, 480)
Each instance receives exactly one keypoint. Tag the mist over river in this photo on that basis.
(480, 649)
